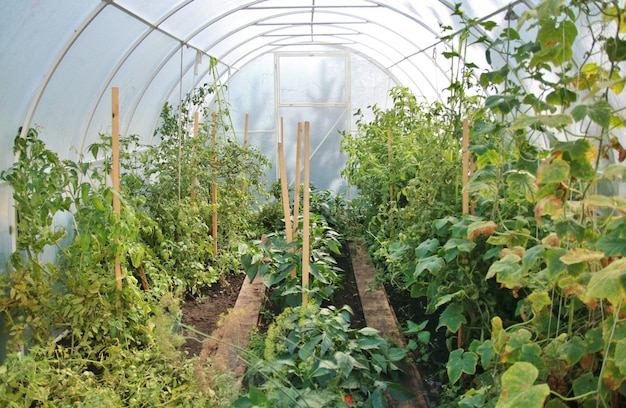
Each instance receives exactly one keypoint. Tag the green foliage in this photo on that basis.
(533, 281)
(314, 359)
(175, 185)
(403, 187)
(58, 377)
(61, 300)
(77, 292)
(86, 341)
(279, 263)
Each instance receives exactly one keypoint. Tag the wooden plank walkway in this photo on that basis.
(380, 315)
(234, 332)
(244, 316)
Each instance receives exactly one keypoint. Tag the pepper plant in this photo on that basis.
(313, 358)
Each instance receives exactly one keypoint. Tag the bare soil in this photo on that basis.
(203, 312)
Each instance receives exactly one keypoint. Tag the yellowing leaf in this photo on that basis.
(550, 205)
(479, 228)
(553, 173)
(615, 203)
(578, 255)
(609, 283)
(538, 300)
(518, 389)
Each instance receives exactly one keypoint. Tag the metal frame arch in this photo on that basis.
(57, 61)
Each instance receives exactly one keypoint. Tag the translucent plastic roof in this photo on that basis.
(59, 59)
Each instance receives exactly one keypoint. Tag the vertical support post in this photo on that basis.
(389, 155)
(284, 187)
(465, 194)
(196, 123)
(115, 171)
(214, 185)
(465, 165)
(245, 145)
(296, 198)
(305, 215)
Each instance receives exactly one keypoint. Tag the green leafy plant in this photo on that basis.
(314, 359)
(279, 264)
(534, 277)
(174, 179)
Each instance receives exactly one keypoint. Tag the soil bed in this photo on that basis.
(204, 311)
(347, 294)
(408, 308)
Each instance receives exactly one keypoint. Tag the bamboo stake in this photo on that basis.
(245, 145)
(305, 215)
(214, 185)
(389, 153)
(296, 198)
(115, 172)
(196, 123)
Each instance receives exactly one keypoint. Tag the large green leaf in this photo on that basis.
(508, 265)
(554, 173)
(452, 317)
(426, 247)
(432, 264)
(585, 383)
(599, 112)
(573, 350)
(556, 39)
(579, 148)
(613, 244)
(561, 97)
(615, 49)
(463, 245)
(570, 227)
(609, 283)
(555, 121)
(518, 389)
(442, 300)
(461, 362)
(524, 183)
(486, 353)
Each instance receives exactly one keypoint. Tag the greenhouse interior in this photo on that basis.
(313, 203)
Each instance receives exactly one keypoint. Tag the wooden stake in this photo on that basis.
(305, 215)
(465, 194)
(389, 153)
(245, 131)
(196, 123)
(115, 172)
(465, 169)
(284, 187)
(214, 185)
(296, 198)
(245, 145)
